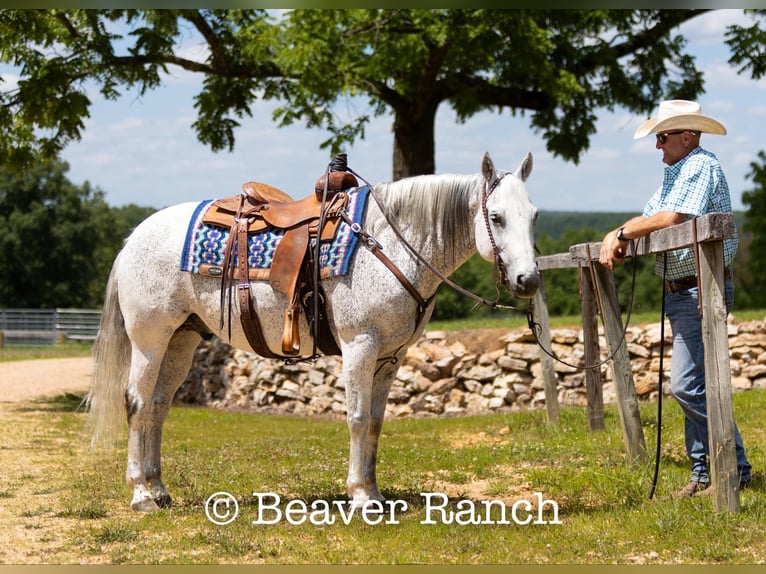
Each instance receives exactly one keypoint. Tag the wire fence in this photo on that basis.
(47, 326)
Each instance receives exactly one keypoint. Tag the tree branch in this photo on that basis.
(670, 19)
(217, 50)
(184, 63)
(494, 95)
(61, 17)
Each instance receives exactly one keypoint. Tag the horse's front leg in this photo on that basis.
(358, 370)
(381, 386)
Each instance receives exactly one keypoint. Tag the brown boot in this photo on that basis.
(691, 489)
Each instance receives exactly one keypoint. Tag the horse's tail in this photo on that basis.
(111, 366)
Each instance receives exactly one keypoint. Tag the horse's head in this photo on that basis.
(505, 226)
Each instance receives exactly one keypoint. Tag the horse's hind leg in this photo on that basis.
(175, 367)
(144, 370)
(155, 369)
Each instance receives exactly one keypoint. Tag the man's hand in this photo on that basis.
(612, 250)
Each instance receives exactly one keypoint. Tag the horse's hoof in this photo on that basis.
(361, 497)
(163, 501)
(144, 505)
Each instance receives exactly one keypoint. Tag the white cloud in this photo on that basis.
(709, 28)
(744, 159)
(10, 82)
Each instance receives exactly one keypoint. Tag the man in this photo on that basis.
(694, 184)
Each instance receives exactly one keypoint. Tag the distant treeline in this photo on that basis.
(556, 232)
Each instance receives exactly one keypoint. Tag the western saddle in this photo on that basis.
(295, 268)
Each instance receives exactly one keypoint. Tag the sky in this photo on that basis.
(143, 150)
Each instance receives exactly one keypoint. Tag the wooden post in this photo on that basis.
(723, 459)
(708, 231)
(546, 362)
(627, 400)
(593, 390)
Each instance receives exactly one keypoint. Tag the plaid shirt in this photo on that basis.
(695, 185)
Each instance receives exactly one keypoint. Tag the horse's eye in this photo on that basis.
(496, 218)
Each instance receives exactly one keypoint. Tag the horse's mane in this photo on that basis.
(437, 205)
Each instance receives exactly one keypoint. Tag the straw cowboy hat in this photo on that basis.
(679, 115)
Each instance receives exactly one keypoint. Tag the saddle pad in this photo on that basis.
(205, 244)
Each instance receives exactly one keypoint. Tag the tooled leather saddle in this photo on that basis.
(294, 271)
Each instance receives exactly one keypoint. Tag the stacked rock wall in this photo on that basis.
(439, 378)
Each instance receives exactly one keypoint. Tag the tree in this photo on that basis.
(755, 226)
(58, 240)
(561, 66)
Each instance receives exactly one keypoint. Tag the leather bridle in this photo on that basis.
(498, 264)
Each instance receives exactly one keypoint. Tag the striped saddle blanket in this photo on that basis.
(205, 244)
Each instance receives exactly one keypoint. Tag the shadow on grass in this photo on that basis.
(63, 403)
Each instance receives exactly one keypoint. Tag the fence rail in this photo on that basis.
(706, 235)
(47, 326)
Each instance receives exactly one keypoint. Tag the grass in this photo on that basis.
(602, 500)
(70, 504)
(56, 351)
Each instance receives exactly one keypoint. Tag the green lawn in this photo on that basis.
(78, 499)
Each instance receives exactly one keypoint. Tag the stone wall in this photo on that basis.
(445, 379)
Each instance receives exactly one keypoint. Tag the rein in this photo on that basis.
(658, 447)
(536, 328)
(377, 249)
(499, 267)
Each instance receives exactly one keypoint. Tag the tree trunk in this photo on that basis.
(414, 147)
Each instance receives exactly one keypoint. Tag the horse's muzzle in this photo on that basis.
(525, 285)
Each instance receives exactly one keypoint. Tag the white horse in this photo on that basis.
(155, 314)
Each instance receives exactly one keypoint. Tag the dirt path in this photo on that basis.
(27, 380)
(22, 381)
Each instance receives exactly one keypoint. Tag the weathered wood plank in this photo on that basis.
(556, 261)
(720, 409)
(550, 382)
(710, 227)
(593, 389)
(627, 399)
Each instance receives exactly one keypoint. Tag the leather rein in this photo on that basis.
(375, 247)
(499, 269)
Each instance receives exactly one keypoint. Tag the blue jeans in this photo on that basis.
(687, 379)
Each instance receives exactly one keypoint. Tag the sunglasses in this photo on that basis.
(662, 138)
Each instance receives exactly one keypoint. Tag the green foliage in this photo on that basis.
(755, 227)
(556, 223)
(58, 240)
(62, 54)
(748, 46)
(560, 66)
(476, 275)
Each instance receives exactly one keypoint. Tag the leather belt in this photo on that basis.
(673, 285)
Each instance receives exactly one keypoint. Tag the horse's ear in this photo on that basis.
(488, 168)
(523, 171)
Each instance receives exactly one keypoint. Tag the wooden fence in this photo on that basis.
(598, 291)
